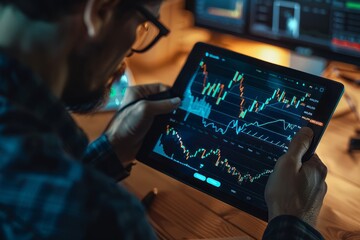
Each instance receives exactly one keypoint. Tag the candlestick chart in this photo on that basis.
(231, 102)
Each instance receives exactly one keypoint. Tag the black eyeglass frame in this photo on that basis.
(163, 31)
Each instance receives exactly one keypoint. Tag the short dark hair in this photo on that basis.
(53, 9)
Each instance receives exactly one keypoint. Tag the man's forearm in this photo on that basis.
(101, 156)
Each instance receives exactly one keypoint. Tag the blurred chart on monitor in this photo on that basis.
(322, 25)
(228, 15)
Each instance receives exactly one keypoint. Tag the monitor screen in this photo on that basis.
(325, 28)
(229, 15)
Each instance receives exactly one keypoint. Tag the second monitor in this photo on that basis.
(326, 28)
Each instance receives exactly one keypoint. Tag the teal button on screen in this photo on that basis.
(213, 182)
(200, 177)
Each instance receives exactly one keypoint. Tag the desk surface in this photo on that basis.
(181, 212)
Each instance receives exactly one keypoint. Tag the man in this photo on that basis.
(53, 185)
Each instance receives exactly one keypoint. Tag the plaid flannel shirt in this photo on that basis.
(51, 185)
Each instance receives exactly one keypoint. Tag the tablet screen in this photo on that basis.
(235, 121)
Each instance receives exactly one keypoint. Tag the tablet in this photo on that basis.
(237, 117)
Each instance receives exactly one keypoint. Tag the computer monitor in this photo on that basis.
(324, 28)
(229, 16)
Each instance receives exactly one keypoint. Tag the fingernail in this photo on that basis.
(175, 101)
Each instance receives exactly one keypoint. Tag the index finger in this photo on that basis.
(150, 89)
(136, 92)
(158, 107)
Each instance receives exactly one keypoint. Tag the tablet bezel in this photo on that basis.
(324, 111)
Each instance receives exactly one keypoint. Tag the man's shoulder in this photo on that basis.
(51, 194)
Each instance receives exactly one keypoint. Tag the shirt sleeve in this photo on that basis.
(101, 156)
(290, 227)
(116, 214)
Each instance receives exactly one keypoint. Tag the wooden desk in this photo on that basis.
(181, 212)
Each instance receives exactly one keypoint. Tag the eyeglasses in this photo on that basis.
(148, 33)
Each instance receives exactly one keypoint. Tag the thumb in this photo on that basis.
(299, 145)
(162, 106)
(138, 122)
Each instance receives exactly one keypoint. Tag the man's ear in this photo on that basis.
(97, 15)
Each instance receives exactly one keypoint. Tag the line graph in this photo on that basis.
(202, 152)
(212, 156)
(242, 128)
(241, 178)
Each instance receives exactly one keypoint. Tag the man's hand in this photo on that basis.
(127, 131)
(296, 188)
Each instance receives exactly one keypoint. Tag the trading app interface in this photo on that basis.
(235, 121)
(226, 14)
(332, 24)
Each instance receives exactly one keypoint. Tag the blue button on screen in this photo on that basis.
(213, 182)
(199, 176)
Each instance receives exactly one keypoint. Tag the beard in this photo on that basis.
(91, 102)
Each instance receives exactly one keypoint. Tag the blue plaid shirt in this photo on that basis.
(53, 185)
(46, 191)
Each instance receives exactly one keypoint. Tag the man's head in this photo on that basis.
(97, 36)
